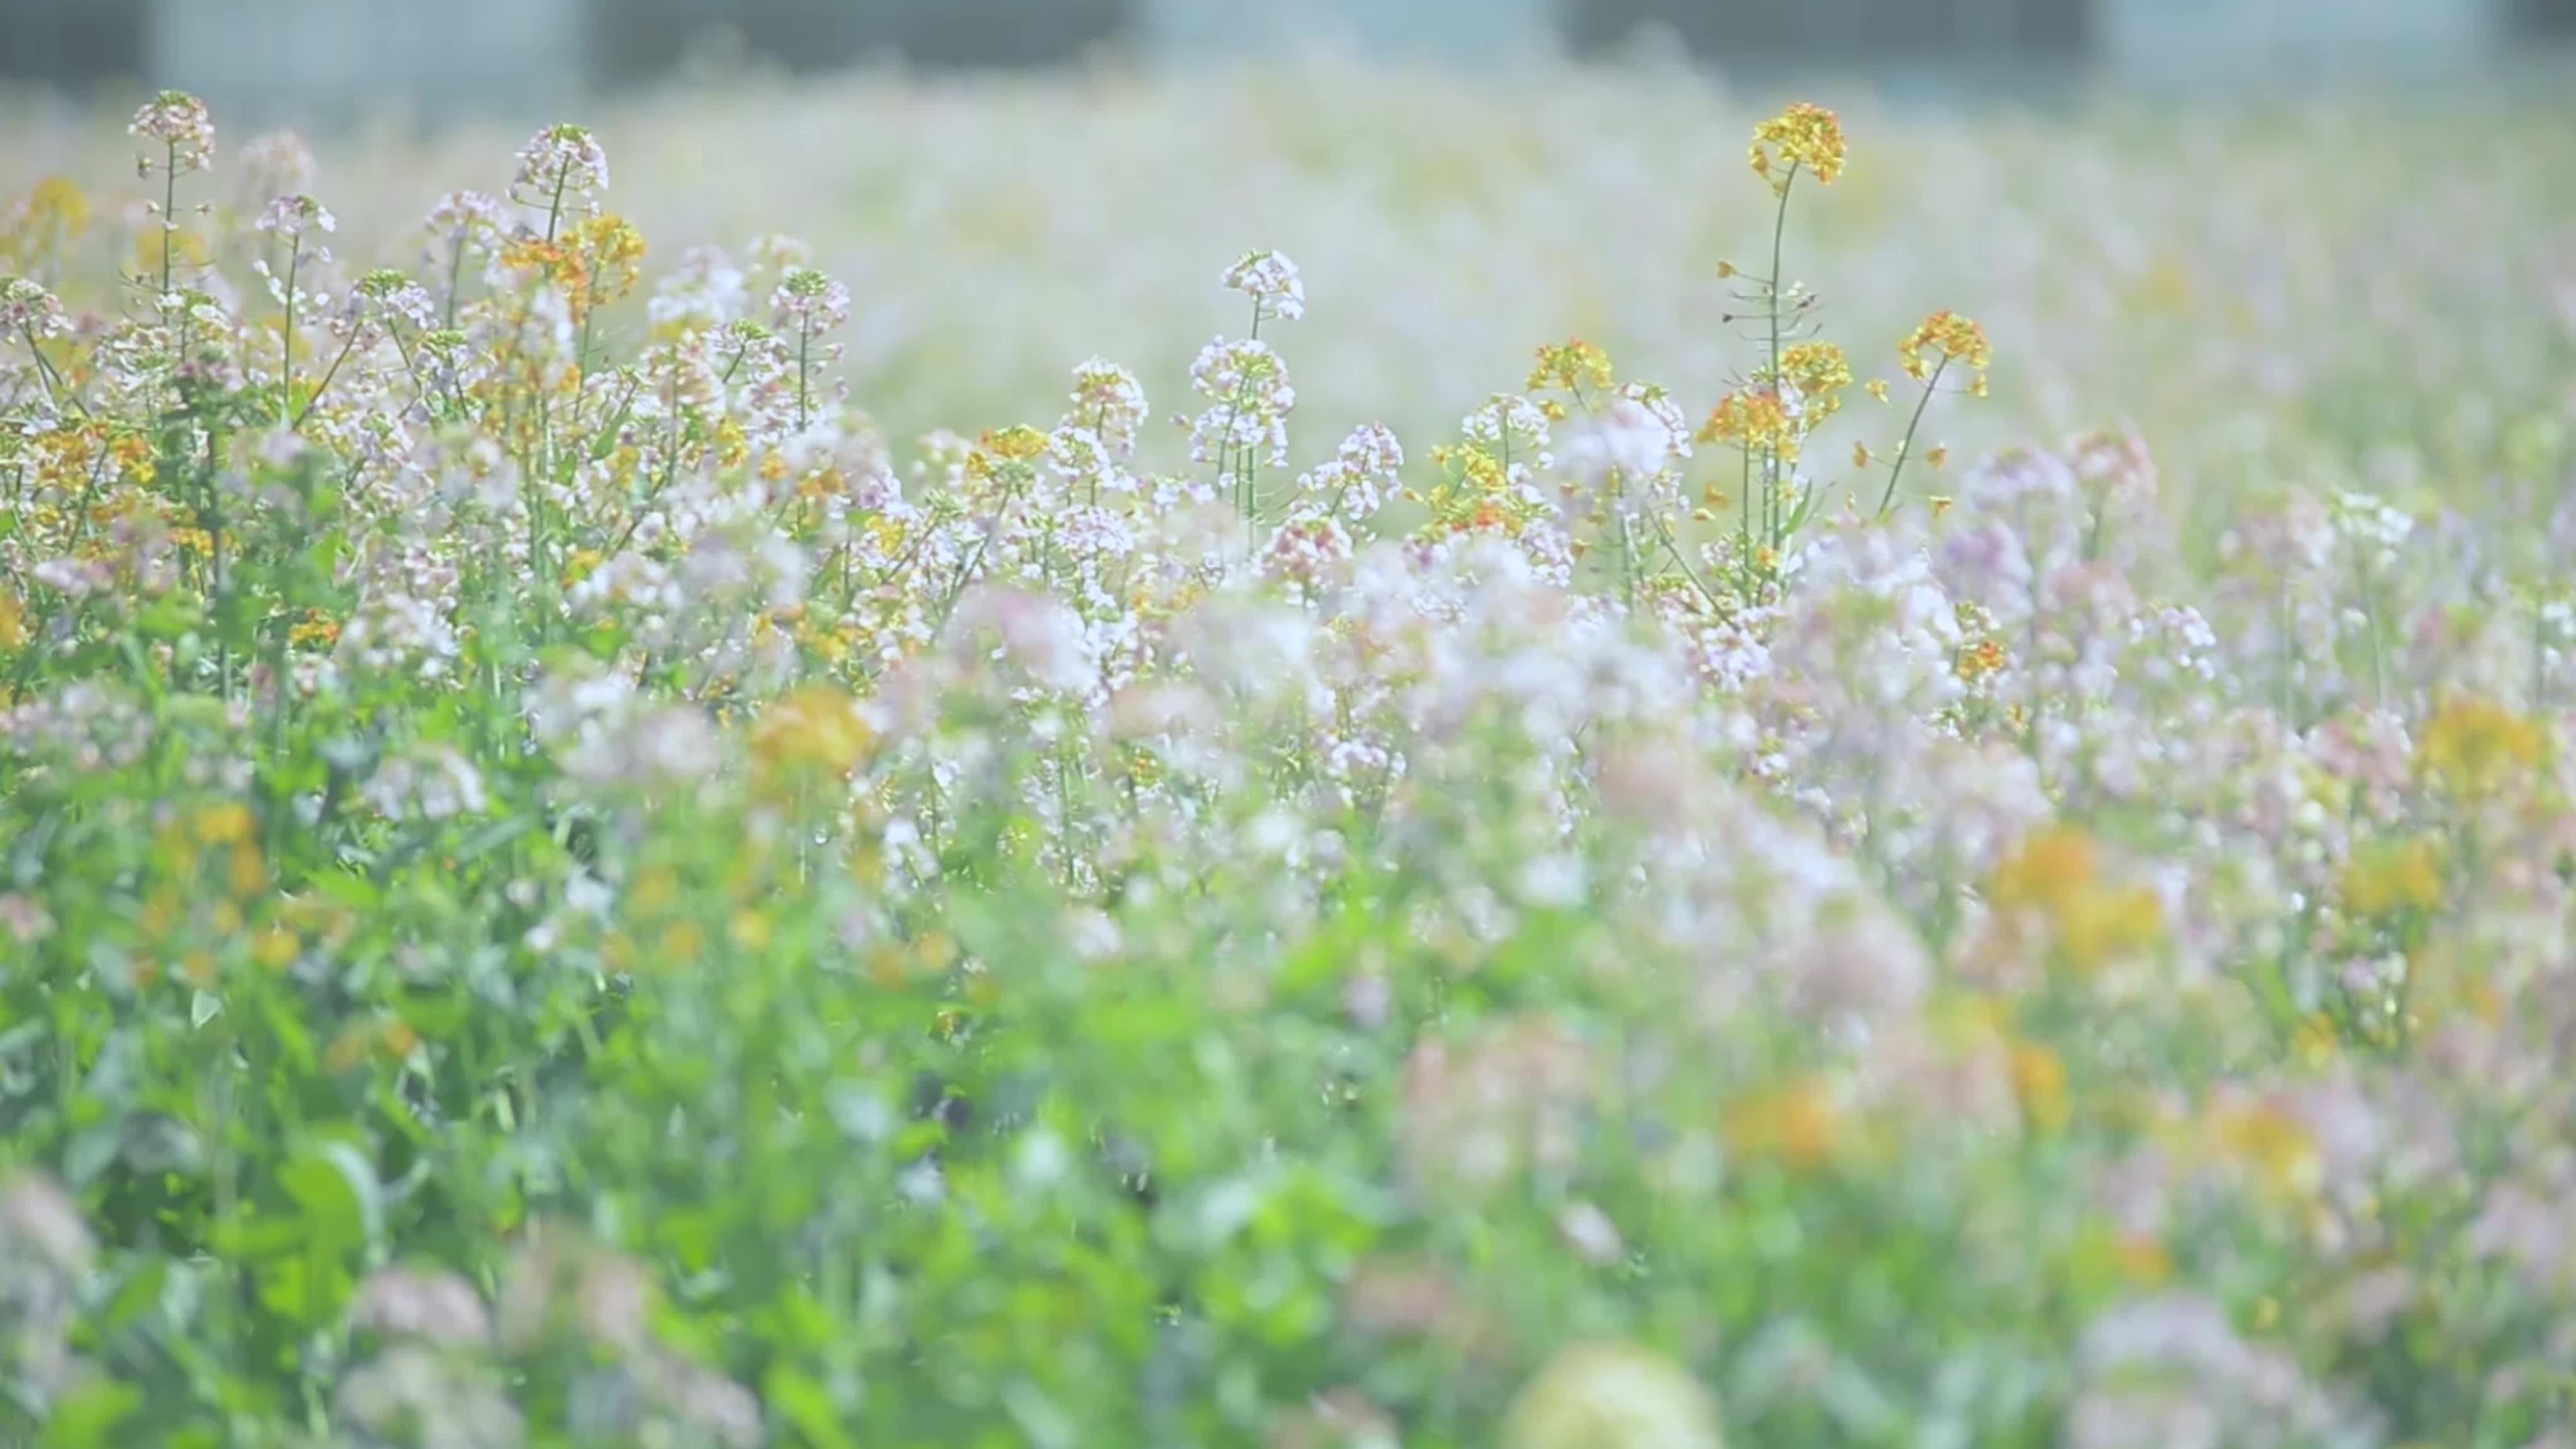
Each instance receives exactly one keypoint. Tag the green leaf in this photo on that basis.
(806, 1405)
(90, 1415)
(334, 1188)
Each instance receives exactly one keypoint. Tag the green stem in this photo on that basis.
(1779, 232)
(286, 337)
(1905, 449)
(169, 215)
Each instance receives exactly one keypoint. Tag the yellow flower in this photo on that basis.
(1612, 1396)
(1754, 420)
(188, 252)
(2144, 1259)
(57, 203)
(247, 871)
(684, 943)
(1947, 340)
(1571, 367)
(2052, 868)
(1820, 372)
(365, 1038)
(2268, 1139)
(2056, 877)
(1018, 443)
(2313, 1044)
(2106, 925)
(2388, 878)
(2039, 1084)
(276, 948)
(2474, 748)
(613, 251)
(815, 730)
(1803, 137)
(1793, 1126)
(227, 823)
(13, 621)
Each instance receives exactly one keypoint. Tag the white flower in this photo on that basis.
(808, 302)
(294, 215)
(562, 168)
(1273, 284)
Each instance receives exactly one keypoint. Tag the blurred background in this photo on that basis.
(2295, 243)
(438, 59)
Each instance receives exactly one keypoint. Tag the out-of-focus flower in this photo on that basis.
(432, 1305)
(2057, 882)
(1796, 1125)
(37, 1213)
(815, 731)
(463, 224)
(705, 292)
(2372, 529)
(2390, 877)
(1636, 435)
(559, 1281)
(2473, 748)
(415, 1394)
(1505, 1101)
(28, 310)
(275, 164)
(1612, 1396)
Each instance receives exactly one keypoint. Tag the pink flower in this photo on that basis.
(180, 122)
(809, 303)
(562, 168)
(26, 308)
(292, 216)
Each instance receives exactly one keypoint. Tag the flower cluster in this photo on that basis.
(1272, 282)
(562, 166)
(1804, 137)
(184, 129)
(1944, 341)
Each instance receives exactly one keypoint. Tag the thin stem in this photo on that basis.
(169, 215)
(324, 385)
(1673, 546)
(1779, 232)
(554, 209)
(804, 369)
(1905, 449)
(52, 378)
(286, 338)
(455, 275)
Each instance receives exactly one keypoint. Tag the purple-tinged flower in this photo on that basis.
(186, 131)
(562, 169)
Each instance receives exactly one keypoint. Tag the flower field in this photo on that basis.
(1317, 759)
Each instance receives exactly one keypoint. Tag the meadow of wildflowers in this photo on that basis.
(745, 845)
